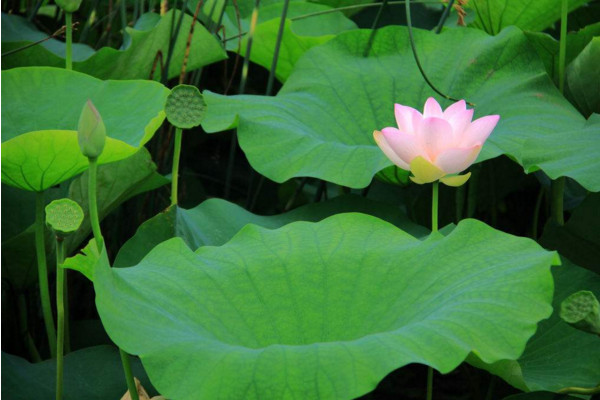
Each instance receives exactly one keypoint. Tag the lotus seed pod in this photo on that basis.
(69, 5)
(91, 132)
(185, 106)
(64, 216)
(582, 310)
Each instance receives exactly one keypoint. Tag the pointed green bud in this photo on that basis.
(91, 131)
(69, 5)
(64, 216)
(582, 311)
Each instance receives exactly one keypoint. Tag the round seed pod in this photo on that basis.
(582, 310)
(185, 106)
(64, 216)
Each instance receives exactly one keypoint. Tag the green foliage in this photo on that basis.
(557, 356)
(583, 78)
(321, 122)
(493, 16)
(216, 221)
(94, 373)
(305, 311)
(298, 37)
(135, 61)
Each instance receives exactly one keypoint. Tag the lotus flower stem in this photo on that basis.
(69, 40)
(434, 206)
(40, 248)
(444, 16)
(175, 173)
(416, 56)
(60, 315)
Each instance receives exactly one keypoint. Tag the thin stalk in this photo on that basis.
(69, 41)
(242, 88)
(24, 330)
(59, 32)
(92, 198)
(188, 44)
(66, 300)
(558, 185)
(174, 35)
(416, 56)
(286, 3)
(175, 173)
(434, 207)
(40, 248)
(123, 9)
(536, 213)
(374, 28)
(557, 189)
(580, 390)
(95, 223)
(430, 381)
(460, 202)
(562, 54)
(60, 315)
(35, 10)
(444, 16)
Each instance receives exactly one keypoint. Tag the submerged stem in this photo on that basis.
(429, 382)
(40, 249)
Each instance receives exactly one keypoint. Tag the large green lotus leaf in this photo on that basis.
(322, 310)
(38, 160)
(548, 47)
(579, 238)
(583, 78)
(135, 61)
(94, 373)
(494, 15)
(558, 355)
(117, 182)
(215, 221)
(321, 122)
(572, 152)
(43, 98)
(298, 36)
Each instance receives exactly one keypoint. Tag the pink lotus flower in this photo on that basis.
(436, 144)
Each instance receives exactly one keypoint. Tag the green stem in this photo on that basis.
(92, 198)
(286, 3)
(429, 382)
(536, 213)
(60, 315)
(69, 40)
(95, 222)
(444, 16)
(416, 56)
(562, 55)
(580, 390)
(558, 185)
(40, 248)
(384, 3)
(24, 330)
(556, 207)
(175, 173)
(434, 207)
(128, 374)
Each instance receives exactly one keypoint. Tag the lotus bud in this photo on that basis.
(91, 131)
(69, 5)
